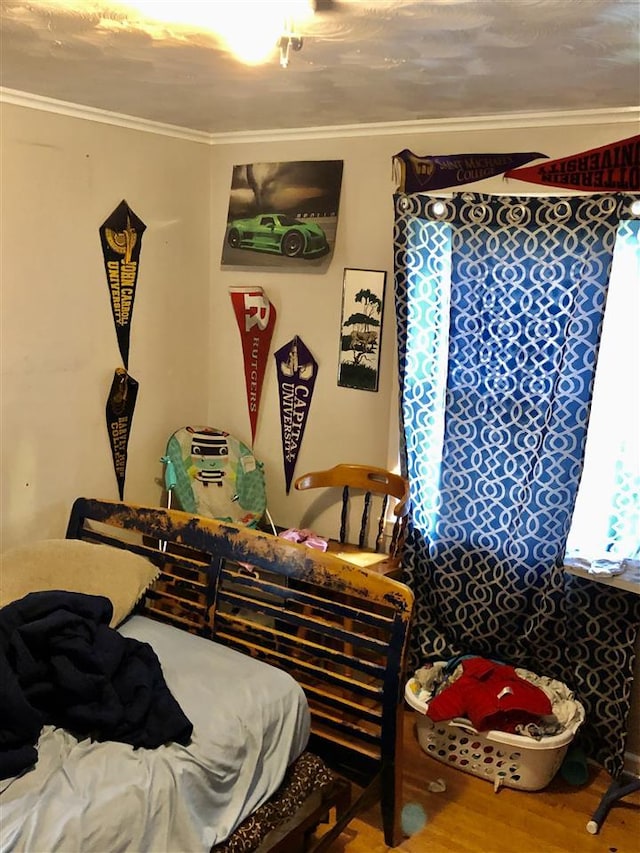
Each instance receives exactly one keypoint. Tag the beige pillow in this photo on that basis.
(76, 566)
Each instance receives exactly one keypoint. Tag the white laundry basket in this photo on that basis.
(515, 761)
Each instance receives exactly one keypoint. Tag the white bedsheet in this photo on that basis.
(250, 722)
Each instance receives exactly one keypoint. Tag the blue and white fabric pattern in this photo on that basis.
(500, 303)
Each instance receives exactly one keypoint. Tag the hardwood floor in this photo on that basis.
(470, 818)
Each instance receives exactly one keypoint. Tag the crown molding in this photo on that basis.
(619, 115)
(490, 122)
(65, 108)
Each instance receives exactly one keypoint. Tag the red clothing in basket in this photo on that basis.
(491, 696)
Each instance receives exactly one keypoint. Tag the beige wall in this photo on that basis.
(344, 425)
(61, 178)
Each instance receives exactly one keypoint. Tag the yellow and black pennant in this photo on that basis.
(121, 238)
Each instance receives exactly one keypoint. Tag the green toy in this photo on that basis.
(214, 474)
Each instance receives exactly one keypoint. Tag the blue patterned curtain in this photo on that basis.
(500, 303)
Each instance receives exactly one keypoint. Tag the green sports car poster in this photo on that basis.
(282, 215)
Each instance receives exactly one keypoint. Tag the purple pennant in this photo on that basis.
(297, 370)
(414, 174)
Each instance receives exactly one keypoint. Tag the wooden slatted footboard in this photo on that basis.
(340, 631)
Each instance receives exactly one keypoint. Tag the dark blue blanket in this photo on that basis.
(61, 664)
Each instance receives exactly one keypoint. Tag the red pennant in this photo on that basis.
(611, 168)
(256, 318)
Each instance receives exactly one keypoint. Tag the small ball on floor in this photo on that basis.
(412, 819)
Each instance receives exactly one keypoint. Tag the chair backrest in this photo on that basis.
(366, 481)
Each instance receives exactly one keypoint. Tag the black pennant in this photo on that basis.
(120, 406)
(121, 238)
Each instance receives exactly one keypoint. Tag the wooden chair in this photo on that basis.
(365, 489)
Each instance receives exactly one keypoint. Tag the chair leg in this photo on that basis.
(618, 789)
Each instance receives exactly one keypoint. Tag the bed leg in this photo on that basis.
(390, 805)
(391, 779)
(343, 799)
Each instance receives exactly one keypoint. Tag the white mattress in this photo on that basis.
(250, 722)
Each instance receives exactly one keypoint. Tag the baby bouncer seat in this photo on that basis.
(210, 472)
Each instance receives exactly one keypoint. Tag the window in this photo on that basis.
(606, 521)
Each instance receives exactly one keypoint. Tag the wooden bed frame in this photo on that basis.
(340, 631)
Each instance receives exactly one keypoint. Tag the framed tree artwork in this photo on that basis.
(361, 328)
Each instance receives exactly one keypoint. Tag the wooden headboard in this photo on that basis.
(340, 631)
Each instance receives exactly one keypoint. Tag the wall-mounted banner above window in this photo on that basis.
(361, 328)
(121, 403)
(256, 318)
(283, 215)
(414, 174)
(611, 168)
(297, 370)
(121, 238)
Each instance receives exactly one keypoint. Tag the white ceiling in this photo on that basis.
(362, 62)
